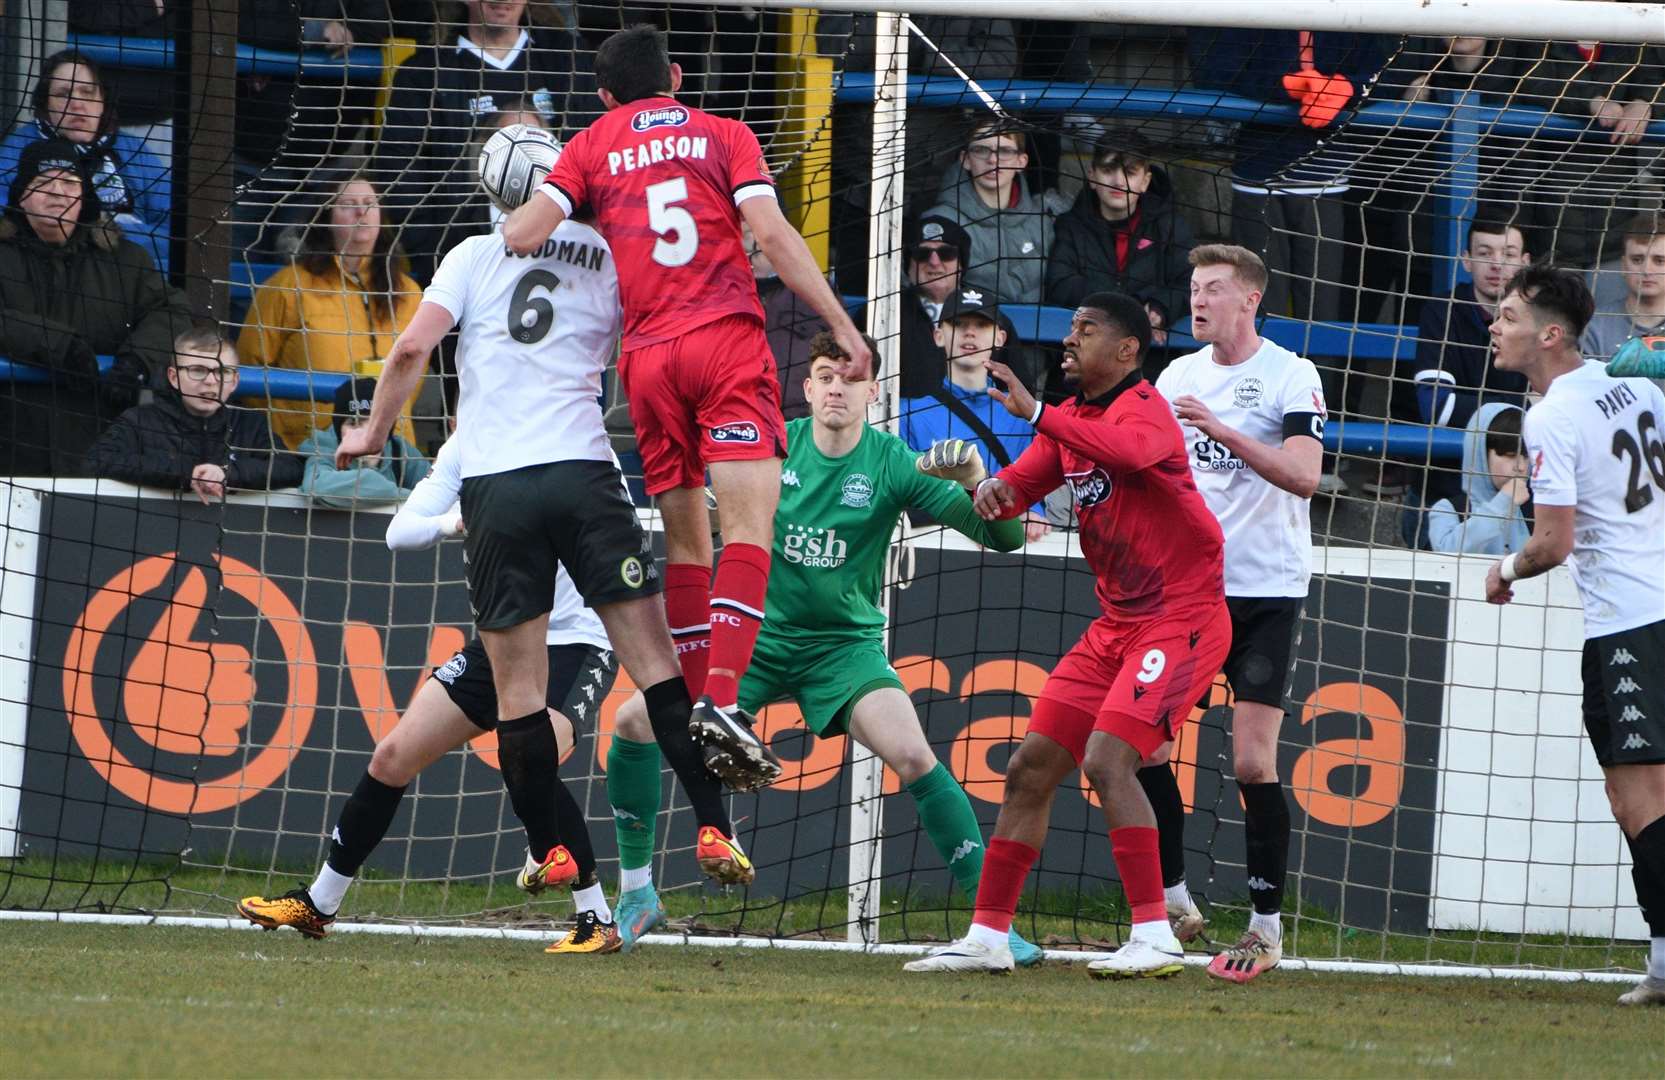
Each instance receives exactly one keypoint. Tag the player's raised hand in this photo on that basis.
(953, 459)
(356, 441)
(1014, 395)
(1191, 410)
(993, 499)
(858, 355)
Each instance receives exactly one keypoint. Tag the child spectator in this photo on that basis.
(1009, 227)
(1491, 519)
(189, 438)
(960, 407)
(1123, 235)
(380, 478)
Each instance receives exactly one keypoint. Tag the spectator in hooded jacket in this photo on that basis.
(337, 308)
(1490, 516)
(379, 478)
(72, 102)
(72, 289)
(1123, 235)
(1009, 227)
(190, 438)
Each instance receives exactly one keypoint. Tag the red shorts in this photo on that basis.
(1136, 681)
(708, 395)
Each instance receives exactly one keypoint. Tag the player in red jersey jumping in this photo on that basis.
(1122, 692)
(669, 185)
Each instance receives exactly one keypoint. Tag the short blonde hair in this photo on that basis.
(1246, 264)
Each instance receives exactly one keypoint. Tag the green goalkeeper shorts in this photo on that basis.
(825, 679)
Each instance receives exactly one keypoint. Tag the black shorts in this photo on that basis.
(1264, 633)
(521, 523)
(579, 678)
(1624, 695)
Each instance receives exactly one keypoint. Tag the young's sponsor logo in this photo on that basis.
(743, 431)
(664, 116)
(1089, 488)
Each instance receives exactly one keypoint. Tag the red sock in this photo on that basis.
(736, 616)
(1006, 866)
(688, 610)
(1140, 867)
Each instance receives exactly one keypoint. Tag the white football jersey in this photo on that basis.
(1268, 397)
(422, 520)
(1595, 443)
(537, 332)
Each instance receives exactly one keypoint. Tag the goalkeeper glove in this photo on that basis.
(954, 459)
(1644, 356)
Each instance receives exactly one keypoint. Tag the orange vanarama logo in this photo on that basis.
(186, 696)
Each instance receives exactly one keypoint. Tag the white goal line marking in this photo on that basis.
(1291, 963)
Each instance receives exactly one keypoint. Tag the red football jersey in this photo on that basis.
(666, 182)
(1145, 530)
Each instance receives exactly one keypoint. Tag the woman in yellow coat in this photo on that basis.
(337, 308)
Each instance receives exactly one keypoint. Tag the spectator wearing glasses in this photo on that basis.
(190, 438)
(936, 252)
(1124, 235)
(72, 289)
(72, 102)
(1009, 228)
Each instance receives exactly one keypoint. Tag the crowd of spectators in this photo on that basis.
(1001, 213)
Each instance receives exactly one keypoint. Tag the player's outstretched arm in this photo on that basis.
(429, 514)
(400, 373)
(1294, 466)
(796, 266)
(1127, 446)
(530, 224)
(1549, 546)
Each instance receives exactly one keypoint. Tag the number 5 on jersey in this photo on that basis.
(666, 218)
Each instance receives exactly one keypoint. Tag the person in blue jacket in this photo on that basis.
(386, 477)
(72, 102)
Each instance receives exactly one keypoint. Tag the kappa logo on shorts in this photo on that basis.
(447, 672)
(669, 116)
(857, 492)
(1635, 742)
(1621, 656)
(743, 431)
(631, 572)
(1626, 685)
(1632, 715)
(1089, 488)
(1248, 392)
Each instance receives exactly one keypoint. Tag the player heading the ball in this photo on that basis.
(669, 185)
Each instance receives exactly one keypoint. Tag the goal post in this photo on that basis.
(189, 689)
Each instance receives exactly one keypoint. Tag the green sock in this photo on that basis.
(946, 813)
(633, 789)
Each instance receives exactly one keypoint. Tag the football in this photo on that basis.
(514, 161)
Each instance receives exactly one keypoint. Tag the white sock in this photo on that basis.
(1656, 958)
(1269, 927)
(988, 935)
(1157, 932)
(593, 899)
(328, 889)
(1177, 895)
(637, 877)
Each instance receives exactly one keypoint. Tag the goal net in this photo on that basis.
(190, 686)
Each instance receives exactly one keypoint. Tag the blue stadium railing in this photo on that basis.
(362, 63)
(1369, 439)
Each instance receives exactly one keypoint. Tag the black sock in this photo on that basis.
(1163, 792)
(527, 752)
(1266, 840)
(668, 708)
(575, 832)
(362, 824)
(1647, 855)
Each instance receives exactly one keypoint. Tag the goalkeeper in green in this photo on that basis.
(844, 484)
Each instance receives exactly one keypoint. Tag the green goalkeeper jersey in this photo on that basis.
(834, 525)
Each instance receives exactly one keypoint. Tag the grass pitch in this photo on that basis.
(146, 1001)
